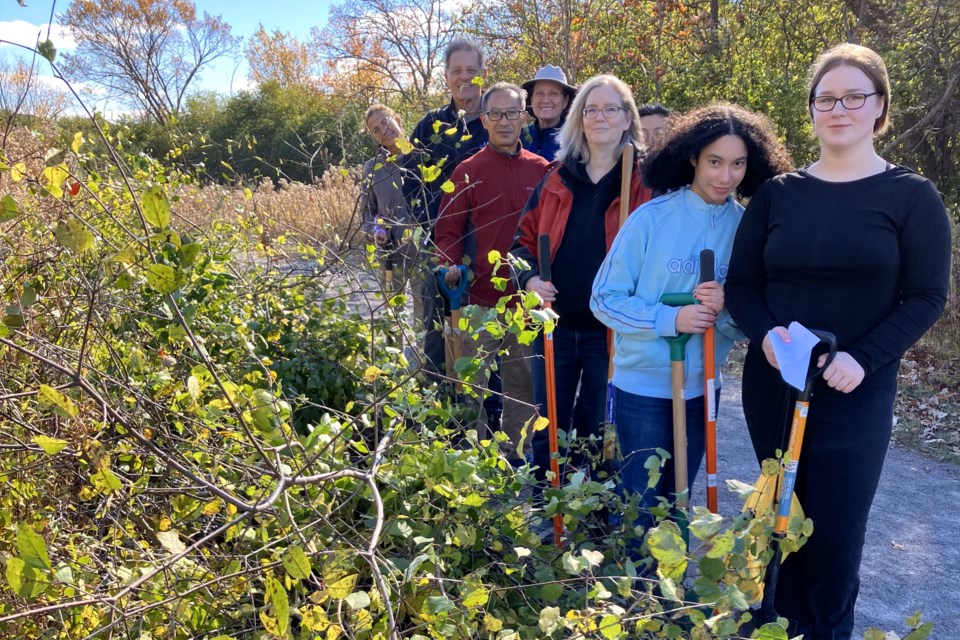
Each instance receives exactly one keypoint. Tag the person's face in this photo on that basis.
(719, 169)
(384, 129)
(603, 129)
(464, 66)
(843, 127)
(653, 128)
(548, 101)
(504, 133)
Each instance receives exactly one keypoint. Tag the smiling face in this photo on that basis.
(719, 169)
(843, 128)
(604, 131)
(384, 128)
(504, 133)
(463, 67)
(548, 100)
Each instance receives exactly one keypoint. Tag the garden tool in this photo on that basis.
(543, 253)
(709, 392)
(610, 428)
(788, 476)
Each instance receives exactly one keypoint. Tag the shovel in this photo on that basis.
(610, 428)
(788, 477)
(451, 333)
(678, 352)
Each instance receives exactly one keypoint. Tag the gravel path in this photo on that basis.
(912, 545)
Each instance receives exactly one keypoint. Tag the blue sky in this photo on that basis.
(21, 24)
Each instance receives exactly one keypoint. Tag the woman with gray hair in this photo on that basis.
(577, 205)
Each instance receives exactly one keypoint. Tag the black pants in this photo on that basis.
(842, 455)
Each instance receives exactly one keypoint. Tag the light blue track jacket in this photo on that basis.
(658, 251)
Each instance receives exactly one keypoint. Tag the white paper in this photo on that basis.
(794, 356)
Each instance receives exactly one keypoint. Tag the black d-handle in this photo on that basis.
(543, 256)
(706, 266)
(830, 340)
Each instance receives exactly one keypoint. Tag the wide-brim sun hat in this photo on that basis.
(553, 74)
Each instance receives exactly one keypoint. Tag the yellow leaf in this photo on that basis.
(541, 423)
(447, 187)
(372, 373)
(50, 446)
(404, 144)
(18, 172)
(77, 142)
(343, 587)
(247, 194)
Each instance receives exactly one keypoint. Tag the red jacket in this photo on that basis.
(480, 215)
(547, 213)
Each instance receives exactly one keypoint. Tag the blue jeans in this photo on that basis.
(645, 423)
(580, 365)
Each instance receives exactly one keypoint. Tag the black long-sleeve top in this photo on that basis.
(868, 260)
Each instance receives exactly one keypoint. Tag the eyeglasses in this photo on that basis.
(850, 102)
(590, 113)
(511, 114)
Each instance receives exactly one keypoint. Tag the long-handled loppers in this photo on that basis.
(788, 477)
(709, 391)
(543, 252)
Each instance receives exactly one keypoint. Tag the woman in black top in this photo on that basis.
(859, 247)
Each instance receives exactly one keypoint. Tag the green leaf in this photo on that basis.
(358, 600)
(340, 589)
(47, 50)
(50, 398)
(156, 207)
(29, 297)
(667, 546)
(23, 579)
(669, 589)
(189, 253)
(704, 523)
(50, 446)
(476, 598)
(771, 631)
(551, 592)
(74, 236)
(105, 481)
(610, 627)
(163, 278)
(440, 604)
(281, 604)
(32, 548)
(9, 209)
(296, 563)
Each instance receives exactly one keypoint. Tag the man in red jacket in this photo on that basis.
(480, 215)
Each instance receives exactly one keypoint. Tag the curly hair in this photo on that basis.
(669, 166)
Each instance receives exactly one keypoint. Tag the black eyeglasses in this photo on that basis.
(608, 112)
(510, 114)
(850, 102)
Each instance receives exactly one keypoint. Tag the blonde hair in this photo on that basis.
(868, 61)
(573, 142)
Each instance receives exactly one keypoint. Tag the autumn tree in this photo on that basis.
(281, 57)
(145, 52)
(386, 47)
